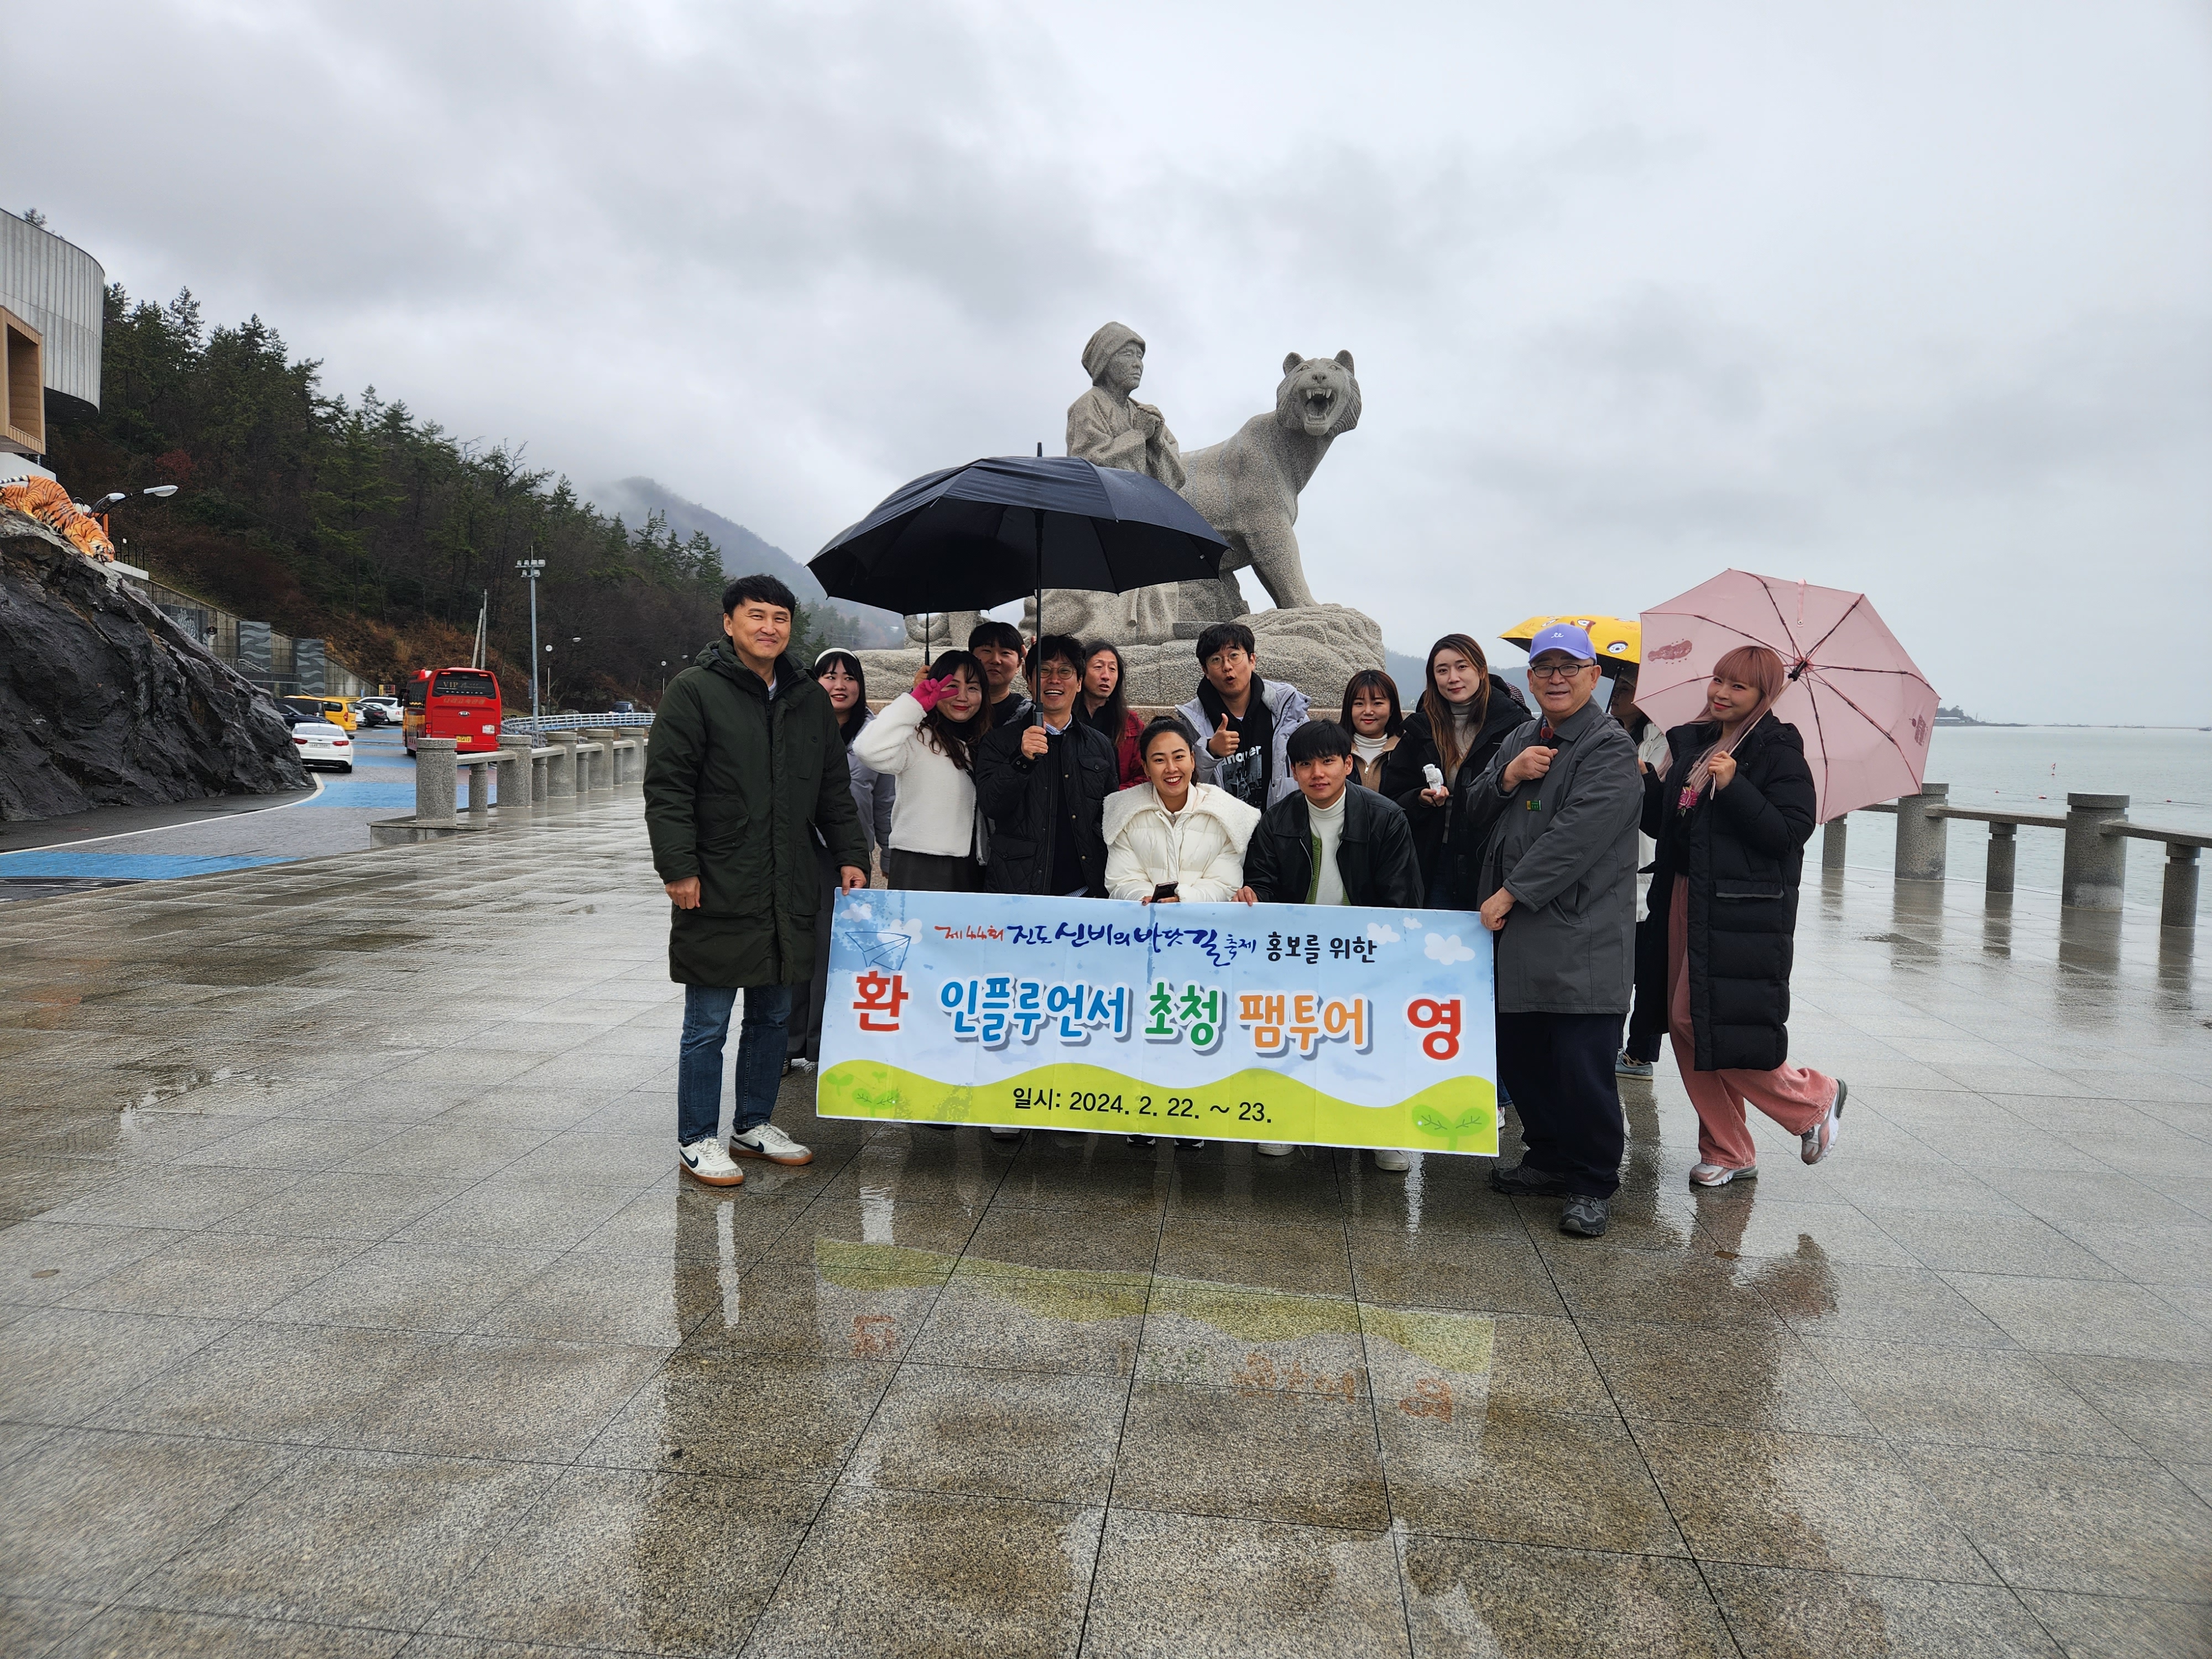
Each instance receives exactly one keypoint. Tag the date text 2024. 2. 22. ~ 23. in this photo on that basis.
(1086, 1103)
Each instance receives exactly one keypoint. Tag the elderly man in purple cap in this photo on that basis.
(1559, 805)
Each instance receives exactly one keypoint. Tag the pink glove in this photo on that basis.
(930, 693)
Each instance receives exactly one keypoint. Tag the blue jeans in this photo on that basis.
(760, 1058)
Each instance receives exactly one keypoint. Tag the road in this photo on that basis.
(117, 845)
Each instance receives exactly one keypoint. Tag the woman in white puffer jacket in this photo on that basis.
(1172, 832)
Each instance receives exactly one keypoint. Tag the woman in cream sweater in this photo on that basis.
(1172, 840)
(925, 739)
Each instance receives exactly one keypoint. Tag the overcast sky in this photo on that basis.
(1914, 298)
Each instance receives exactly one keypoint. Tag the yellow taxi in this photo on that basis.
(336, 711)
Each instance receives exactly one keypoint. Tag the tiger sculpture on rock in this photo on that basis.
(49, 503)
(1246, 486)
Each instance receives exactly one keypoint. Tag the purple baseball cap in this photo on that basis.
(1563, 636)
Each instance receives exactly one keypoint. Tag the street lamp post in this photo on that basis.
(530, 568)
(115, 498)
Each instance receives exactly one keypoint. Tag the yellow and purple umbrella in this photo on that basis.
(1617, 638)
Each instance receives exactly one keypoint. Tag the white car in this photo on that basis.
(381, 711)
(321, 744)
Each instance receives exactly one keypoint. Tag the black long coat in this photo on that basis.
(1742, 849)
(1402, 782)
(737, 784)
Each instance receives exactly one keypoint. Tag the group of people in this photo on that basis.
(770, 786)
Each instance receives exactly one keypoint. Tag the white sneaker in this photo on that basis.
(1395, 1162)
(1004, 1132)
(1274, 1148)
(1817, 1142)
(1719, 1174)
(771, 1143)
(707, 1160)
(799, 1063)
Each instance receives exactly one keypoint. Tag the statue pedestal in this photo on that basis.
(1315, 647)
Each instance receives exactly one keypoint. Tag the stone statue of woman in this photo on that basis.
(1109, 427)
(1106, 425)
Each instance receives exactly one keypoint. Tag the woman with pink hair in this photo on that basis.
(1731, 819)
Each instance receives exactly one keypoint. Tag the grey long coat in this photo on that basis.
(1564, 846)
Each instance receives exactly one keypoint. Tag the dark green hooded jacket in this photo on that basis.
(736, 782)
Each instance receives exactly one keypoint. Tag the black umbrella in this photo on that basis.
(973, 536)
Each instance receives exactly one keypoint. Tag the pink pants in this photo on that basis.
(1792, 1095)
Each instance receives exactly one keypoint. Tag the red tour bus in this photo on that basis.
(461, 703)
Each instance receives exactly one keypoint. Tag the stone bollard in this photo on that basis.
(2004, 849)
(560, 766)
(1832, 842)
(603, 766)
(2096, 867)
(480, 793)
(434, 783)
(2177, 904)
(526, 786)
(1922, 841)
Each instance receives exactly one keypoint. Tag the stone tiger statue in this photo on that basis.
(49, 503)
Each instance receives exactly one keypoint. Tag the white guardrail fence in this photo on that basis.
(529, 771)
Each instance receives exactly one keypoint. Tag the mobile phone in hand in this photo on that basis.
(1166, 890)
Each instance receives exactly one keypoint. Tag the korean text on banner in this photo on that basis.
(1323, 1026)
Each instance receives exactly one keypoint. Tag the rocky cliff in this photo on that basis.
(105, 702)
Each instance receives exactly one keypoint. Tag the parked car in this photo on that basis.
(382, 711)
(321, 744)
(334, 710)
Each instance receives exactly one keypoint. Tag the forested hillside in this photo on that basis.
(845, 622)
(354, 520)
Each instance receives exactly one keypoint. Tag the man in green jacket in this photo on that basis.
(745, 768)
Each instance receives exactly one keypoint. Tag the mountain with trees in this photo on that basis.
(356, 521)
(860, 626)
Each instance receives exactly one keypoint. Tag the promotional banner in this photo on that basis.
(1330, 1026)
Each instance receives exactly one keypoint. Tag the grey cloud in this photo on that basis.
(1615, 329)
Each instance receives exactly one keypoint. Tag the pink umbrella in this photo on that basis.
(1864, 710)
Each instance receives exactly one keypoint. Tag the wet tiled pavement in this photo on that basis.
(352, 1307)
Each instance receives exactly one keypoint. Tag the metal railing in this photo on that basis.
(542, 723)
(522, 775)
(2094, 870)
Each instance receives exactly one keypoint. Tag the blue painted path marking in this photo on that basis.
(60, 861)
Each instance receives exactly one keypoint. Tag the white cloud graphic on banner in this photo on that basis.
(1447, 949)
(1382, 933)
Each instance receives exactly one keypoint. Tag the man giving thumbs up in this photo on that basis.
(1250, 719)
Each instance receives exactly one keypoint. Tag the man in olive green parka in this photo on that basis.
(745, 769)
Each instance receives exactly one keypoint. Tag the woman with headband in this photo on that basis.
(1731, 817)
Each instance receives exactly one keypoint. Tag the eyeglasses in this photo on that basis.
(1566, 674)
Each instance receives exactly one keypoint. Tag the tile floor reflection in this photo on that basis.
(349, 1304)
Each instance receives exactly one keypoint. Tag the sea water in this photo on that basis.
(2166, 776)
